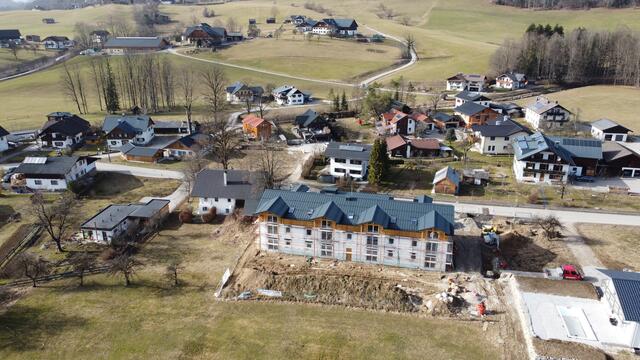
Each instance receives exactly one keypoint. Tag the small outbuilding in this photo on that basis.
(446, 181)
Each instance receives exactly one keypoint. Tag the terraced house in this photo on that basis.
(369, 228)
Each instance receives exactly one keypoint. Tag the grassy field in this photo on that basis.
(7, 59)
(614, 245)
(150, 319)
(319, 58)
(591, 103)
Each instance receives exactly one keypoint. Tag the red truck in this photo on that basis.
(564, 272)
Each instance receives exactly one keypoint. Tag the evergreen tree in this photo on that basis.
(558, 29)
(111, 92)
(336, 103)
(378, 162)
(344, 105)
(450, 135)
(531, 28)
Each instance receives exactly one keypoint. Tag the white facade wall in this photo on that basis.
(348, 167)
(140, 139)
(455, 85)
(405, 252)
(295, 99)
(322, 30)
(4, 143)
(496, 145)
(223, 206)
(545, 120)
(519, 169)
(47, 184)
(105, 236)
(59, 142)
(606, 136)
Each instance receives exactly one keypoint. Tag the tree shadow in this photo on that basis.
(24, 328)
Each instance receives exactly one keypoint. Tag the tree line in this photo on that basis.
(568, 4)
(579, 57)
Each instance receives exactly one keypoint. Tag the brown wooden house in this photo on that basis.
(256, 128)
(446, 181)
(475, 114)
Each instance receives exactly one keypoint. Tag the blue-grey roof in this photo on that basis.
(114, 214)
(446, 173)
(136, 42)
(307, 118)
(300, 188)
(471, 96)
(580, 148)
(128, 123)
(440, 116)
(525, 146)
(284, 89)
(348, 151)
(239, 85)
(58, 165)
(342, 24)
(606, 124)
(3, 132)
(516, 77)
(240, 185)
(358, 208)
(502, 127)
(134, 150)
(469, 108)
(627, 285)
(213, 31)
(542, 105)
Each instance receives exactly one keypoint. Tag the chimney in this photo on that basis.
(224, 177)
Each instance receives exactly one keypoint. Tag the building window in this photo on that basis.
(506, 138)
(308, 232)
(372, 229)
(341, 161)
(54, 182)
(430, 261)
(325, 223)
(270, 218)
(355, 172)
(287, 229)
(414, 243)
(349, 236)
(215, 199)
(432, 246)
(326, 235)
(228, 200)
(38, 182)
(340, 170)
(272, 243)
(412, 256)
(355, 162)
(326, 249)
(391, 241)
(272, 229)
(433, 235)
(450, 247)
(492, 138)
(204, 208)
(287, 242)
(308, 244)
(449, 259)
(372, 241)
(371, 254)
(390, 253)
(226, 210)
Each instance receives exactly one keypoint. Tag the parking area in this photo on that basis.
(604, 184)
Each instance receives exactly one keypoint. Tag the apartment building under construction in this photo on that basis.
(370, 228)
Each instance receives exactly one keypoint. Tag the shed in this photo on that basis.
(446, 181)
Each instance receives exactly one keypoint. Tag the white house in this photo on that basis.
(57, 43)
(469, 82)
(63, 130)
(511, 81)
(368, 228)
(474, 97)
(322, 28)
(496, 137)
(289, 95)
(116, 219)
(609, 130)
(223, 191)
(4, 142)
(121, 129)
(239, 92)
(546, 114)
(621, 291)
(542, 159)
(52, 173)
(350, 160)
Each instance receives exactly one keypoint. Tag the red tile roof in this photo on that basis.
(394, 142)
(426, 144)
(253, 120)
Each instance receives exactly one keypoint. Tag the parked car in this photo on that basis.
(587, 179)
(564, 272)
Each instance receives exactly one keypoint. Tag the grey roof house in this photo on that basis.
(225, 190)
(121, 45)
(609, 130)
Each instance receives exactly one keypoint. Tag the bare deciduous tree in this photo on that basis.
(69, 86)
(172, 272)
(126, 265)
(81, 263)
(224, 140)
(33, 267)
(433, 101)
(215, 83)
(187, 85)
(270, 168)
(194, 165)
(55, 218)
(550, 225)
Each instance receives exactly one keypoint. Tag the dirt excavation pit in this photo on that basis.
(294, 278)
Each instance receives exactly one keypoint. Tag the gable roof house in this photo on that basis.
(424, 124)
(52, 173)
(121, 129)
(312, 126)
(348, 160)
(470, 96)
(306, 25)
(343, 27)
(239, 92)
(57, 43)
(397, 122)
(185, 146)
(256, 128)
(446, 181)
(114, 220)
(322, 27)
(132, 45)
(609, 130)
(9, 36)
(223, 191)
(469, 82)
(496, 137)
(475, 114)
(401, 146)
(174, 127)
(546, 114)
(289, 95)
(621, 292)
(4, 139)
(99, 37)
(361, 227)
(204, 35)
(63, 130)
(511, 81)
(621, 159)
(539, 158)
(445, 121)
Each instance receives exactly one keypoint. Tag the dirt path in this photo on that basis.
(425, 17)
(584, 255)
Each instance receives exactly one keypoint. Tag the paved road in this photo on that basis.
(139, 171)
(175, 199)
(414, 59)
(56, 62)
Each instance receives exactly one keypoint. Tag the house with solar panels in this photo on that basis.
(360, 227)
(546, 114)
(348, 160)
(52, 173)
(544, 159)
(621, 291)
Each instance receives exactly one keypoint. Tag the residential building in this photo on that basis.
(511, 81)
(312, 126)
(298, 19)
(424, 123)
(63, 130)
(186, 146)
(52, 173)
(174, 127)
(542, 159)
(609, 130)
(256, 128)
(57, 43)
(475, 114)
(359, 227)
(445, 121)
(9, 36)
(99, 38)
(474, 97)
(322, 28)
(204, 35)
(238, 92)
(131, 152)
(271, 20)
(32, 38)
(621, 159)
(343, 27)
(121, 129)
(510, 109)
(469, 82)
(397, 122)
(496, 137)
(223, 191)
(118, 219)
(132, 45)
(446, 181)
(4, 140)
(306, 25)
(621, 290)
(402, 146)
(546, 114)
(289, 95)
(351, 160)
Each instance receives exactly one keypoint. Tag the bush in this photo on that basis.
(186, 217)
(209, 216)
(533, 197)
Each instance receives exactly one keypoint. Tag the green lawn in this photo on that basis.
(7, 59)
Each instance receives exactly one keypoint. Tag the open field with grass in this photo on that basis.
(319, 58)
(104, 319)
(8, 60)
(618, 103)
(616, 246)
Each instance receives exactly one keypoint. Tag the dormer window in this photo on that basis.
(325, 224)
(272, 219)
(372, 229)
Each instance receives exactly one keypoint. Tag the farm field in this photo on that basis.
(7, 59)
(105, 319)
(614, 245)
(618, 103)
